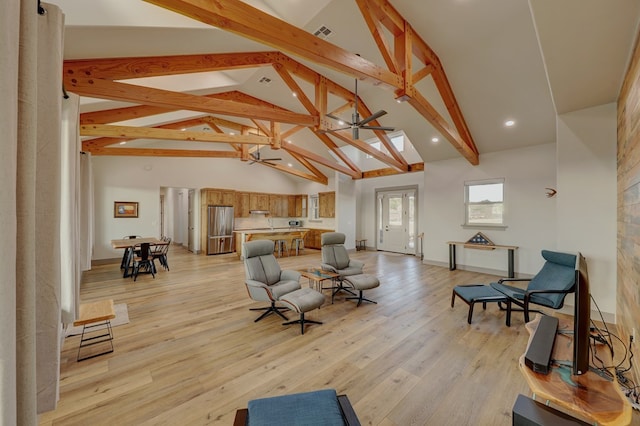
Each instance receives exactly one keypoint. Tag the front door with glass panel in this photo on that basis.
(396, 221)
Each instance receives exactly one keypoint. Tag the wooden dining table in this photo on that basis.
(128, 245)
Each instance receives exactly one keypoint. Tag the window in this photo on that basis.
(484, 202)
(314, 207)
(397, 141)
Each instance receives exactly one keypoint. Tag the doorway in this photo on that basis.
(396, 220)
(190, 221)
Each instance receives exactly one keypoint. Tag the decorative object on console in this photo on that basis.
(480, 239)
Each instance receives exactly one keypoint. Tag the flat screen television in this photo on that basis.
(582, 318)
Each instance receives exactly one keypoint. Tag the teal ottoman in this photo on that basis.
(316, 408)
(474, 293)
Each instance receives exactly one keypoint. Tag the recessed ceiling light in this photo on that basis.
(435, 140)
(341, 123)
(509, 123)
(123, 143)
(183, 129)
(294, 94)
(231, 133)
(288, 141)
(289, 164)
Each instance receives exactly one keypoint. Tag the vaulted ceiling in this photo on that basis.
(218, 79)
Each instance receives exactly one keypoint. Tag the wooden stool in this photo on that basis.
(95, 319)
(361, 245)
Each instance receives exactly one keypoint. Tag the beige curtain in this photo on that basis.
(70, 209)
(31, 63)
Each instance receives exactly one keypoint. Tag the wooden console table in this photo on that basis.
(588, 396)
(510, 253)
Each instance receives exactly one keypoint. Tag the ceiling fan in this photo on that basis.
(257, 159)
(356, 124)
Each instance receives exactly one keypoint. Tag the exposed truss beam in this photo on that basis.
(168, 134)
(113, 90)
(158, 152)
(240, 18)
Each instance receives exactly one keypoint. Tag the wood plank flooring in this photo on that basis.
(192, 354)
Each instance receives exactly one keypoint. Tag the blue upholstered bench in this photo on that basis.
(321, 408)
(474, 293)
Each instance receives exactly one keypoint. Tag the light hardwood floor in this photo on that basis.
(192, 355)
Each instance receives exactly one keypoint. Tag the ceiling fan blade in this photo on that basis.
(372, 117)
(271, 159)
(339, 119)
(386, 129)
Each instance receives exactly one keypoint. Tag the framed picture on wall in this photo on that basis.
(125, 209)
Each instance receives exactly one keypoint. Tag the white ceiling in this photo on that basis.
(505, 59)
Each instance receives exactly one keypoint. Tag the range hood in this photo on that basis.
(265, 212)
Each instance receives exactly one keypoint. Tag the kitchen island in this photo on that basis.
(288, 234)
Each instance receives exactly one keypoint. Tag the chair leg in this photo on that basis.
(270, 310)
(361, 299)
(340, 287)
(470, 315)
(302, 321)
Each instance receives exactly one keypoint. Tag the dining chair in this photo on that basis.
(144, 261)
(161, 251)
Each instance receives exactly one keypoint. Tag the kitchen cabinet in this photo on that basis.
(327, 204)
(242, 206)
(278, 205)
(297, 205)
(218, 197)
(258, 201)
(313, 238)
(291, 206)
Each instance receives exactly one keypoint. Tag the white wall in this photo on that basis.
(530, 215)
(587, 179)
(140, 178)
(345, 219)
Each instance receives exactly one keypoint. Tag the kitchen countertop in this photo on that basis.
(269, 230)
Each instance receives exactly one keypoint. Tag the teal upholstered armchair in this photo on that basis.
(548, 288)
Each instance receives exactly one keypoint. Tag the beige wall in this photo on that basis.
(628, 292)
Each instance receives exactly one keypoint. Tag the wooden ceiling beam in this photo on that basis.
(415, 167)
(159, 152)
(407, 44)
(320, 179)
(163, 98)
(240, 18)
(154, 66)
(366, 148)
(295, 88)
(293, 149)
(331, 145)
(306, 163)
(92, 144)
(168, 134)
(115, 115)
(429, 112)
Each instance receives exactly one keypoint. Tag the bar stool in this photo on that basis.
(281, 247)
(298, 244)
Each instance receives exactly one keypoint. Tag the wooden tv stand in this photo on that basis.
(588, 396)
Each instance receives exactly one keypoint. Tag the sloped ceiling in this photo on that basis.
(503, 59)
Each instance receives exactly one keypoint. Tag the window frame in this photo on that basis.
(468, 204)
(314, 207)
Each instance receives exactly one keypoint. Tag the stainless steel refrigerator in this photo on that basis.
(220, 230)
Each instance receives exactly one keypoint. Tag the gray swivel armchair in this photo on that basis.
(265, 280)
(336, 259)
